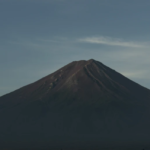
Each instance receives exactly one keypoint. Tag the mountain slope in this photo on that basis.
(83, 101)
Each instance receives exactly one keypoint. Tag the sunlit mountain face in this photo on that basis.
(84, 104)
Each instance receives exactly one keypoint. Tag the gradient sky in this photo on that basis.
(37, 37)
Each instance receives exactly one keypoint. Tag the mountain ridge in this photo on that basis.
(83, 98)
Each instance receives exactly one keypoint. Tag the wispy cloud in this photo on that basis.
(137, 74)
(112, 42)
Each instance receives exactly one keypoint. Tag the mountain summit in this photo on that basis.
(84, 104)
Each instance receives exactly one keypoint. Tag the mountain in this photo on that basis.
(85, 104)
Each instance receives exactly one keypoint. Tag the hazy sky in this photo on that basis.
(37, 37)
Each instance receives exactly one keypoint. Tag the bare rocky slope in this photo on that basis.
(85, 104)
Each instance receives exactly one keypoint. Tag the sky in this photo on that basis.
(37, 37)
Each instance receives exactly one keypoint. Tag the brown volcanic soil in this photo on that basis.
(84, 104)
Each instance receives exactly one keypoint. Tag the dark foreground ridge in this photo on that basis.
(83, 105)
